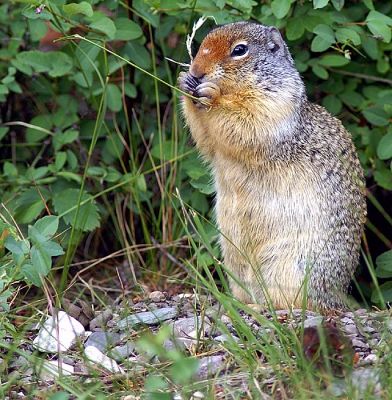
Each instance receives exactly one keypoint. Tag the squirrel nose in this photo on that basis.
(196, 73)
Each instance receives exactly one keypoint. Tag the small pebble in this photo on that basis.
(156, 296)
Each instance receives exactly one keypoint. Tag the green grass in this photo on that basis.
(166, 242)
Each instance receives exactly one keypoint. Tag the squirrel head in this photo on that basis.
(242, 56)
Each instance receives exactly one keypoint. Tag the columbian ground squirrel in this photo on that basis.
(290, 200)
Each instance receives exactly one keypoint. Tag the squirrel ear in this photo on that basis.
(275, 41)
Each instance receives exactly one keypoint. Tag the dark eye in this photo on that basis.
(239, 50)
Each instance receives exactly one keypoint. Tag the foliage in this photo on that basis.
(95, 142)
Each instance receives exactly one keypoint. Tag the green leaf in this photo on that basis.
(41, 260)
(78, 8)
(351, 98)
(204, 184)
(319, 44)
(376, 116)
(55, 63)
(384, 265)
(332, 60)
(61, 139)
(280, 8)
(294, 29)
(386, 291)
(9, 170)
(320, 71)
(332, 104)
(375, 16)
(379, 24)
(164, 151)
(383, 178)
(113, 97)
(106, 26)
(32, 274)
(325, 32)
(370, 45)
(30, 204)
(3, 131)
(369, 4)
(344, 35)
(127, 29)
(338, 4)
(60, 160)
(384, 148)
(320, 3)
(88, 217)
(380, 30)
(47, 226)
(40, 121)
(183, 370)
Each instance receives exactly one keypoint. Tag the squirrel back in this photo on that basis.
(290, 189)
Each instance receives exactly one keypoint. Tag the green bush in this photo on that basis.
(92, 134)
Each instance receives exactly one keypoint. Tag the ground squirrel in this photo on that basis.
(290, 201)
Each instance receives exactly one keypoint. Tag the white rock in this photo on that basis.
(97, 357)
(58, 334)
(197, 395)
(52, 369)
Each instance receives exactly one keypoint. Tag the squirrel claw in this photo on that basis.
(207, 93)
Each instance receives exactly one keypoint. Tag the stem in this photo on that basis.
(362, 76)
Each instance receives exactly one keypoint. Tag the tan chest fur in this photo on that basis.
(261, 215)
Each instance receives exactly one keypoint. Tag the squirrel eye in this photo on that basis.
(239, 50)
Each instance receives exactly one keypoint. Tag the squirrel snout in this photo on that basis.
(196, 72)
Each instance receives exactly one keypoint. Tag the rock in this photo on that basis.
(58, 334)
(197, 395)
(350, 329)
(148, 317)
(97, 357)
(369, 360)
(226, 338)
(119, 353)
(359, 343)
(103, 340)
(314, 322)
(71, 309)
(364, 378)
(209, 366)
(53, 369)
(156, 296)
(188, 330)
(101, 320)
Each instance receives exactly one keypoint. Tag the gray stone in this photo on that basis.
(189, 330)
(58, 334)
(103, 340)
(209, 366)
(363, 378)
(314, 322)
(97, 357)
(350, 329)
(119, 353)
(346, 320)
(148, 317)
(360, 344)
(226, 338)
(101, 320)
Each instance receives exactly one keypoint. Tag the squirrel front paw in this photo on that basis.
(207, 93)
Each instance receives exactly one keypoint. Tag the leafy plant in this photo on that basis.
(92, 130)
